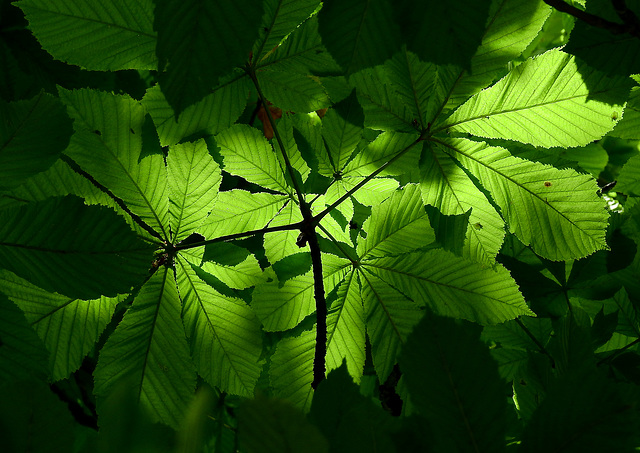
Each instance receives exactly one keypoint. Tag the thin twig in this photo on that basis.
(597, 21)
(536, 341)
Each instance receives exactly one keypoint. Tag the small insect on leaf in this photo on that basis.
(547, 184)
(477, 226)
(614, 116)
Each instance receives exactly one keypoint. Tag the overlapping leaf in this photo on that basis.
(148, 353)
(80, 251)
(547, 101)
(194, 179)
(105, 37)
(223, 332)
(107, 144)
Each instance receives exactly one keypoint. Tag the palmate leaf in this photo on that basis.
(399, 225)
(550, 100)
(68, 327)
(359, 33)
(556, 211)
(80, 251)
(33, 133)
(450, 189)
(214, 113)
(148, 353)
(223, 332)
(107, 144)
(200, 41)
(194, 179)
(237, 211)
(108, 36)
(248, 154)
(453, 382)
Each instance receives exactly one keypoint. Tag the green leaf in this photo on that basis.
(148, 353)
(453, 191)
(69, 328)
(214, 113)
(194, 179)
(539, 202)
(456, 27)
(385, 147)
(281, 244)
(285, 127)
(629, 125)
(237, 211)
(80, 251)
(280, 18)
(22, 354)
(452, 286)
(33, 133)
(629, 179)
(293, 92)
(107, 144)
(106, 37)
(248, 154)
(274, 426)
(399, 225)
(200, 41)
(453, 382)
(342, 131)
(358, 33)
(559, 109)
(291, 369)
(243, 275)
(223, 332)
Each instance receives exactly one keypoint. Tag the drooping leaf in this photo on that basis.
(107, 144)
(539, 202)
(214, 113)
(237, 211)
(559, 109)
(223, 332)
(248, 154)
(399, 225)
(22, 354)
(359, 33)
(80, 251)
(194, 179)
(148, 353)
(107, 37)
(33, 133)
(200, 41)
(68, 327)
(454, 384)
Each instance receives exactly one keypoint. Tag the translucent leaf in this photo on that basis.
(556, 211)
(342, 131)
(214, 113)
(107, 144)
(346, 329)
(629, 125)
(33, 133)
(237, 211)
(450, 189)
(280, 18)
(108, 36)
(359, 33)
(248, 154)
(200, 41)
(399, 225)
(294, 92)
(280, 244)
(22, 354)
(240, 276)
(285, 127)
(274, 426)
(385, 147)
(453, 382)
(453, 286)
(629, 179)
(194, 179)
(390, 318)
(546, 101)
(291, 370)
(224, 334)
(79, 251)
(148, 353)
(510, 28)
(69, 328)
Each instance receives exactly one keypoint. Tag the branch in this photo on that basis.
(630, 25)
(321, 312)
